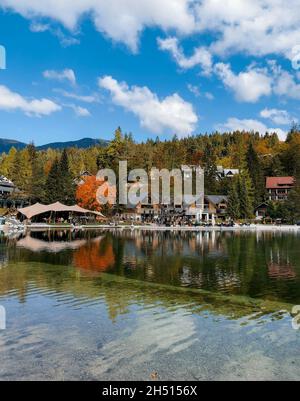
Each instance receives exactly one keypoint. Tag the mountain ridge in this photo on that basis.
(84, 143)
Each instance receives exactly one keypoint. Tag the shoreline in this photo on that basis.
(259, 227)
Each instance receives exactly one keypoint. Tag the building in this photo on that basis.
(261, 211)
(215, 206)
(10, 195)
(278, 188)
(80, 180)
(7, 187)
(226, 172)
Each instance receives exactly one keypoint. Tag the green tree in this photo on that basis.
(38, 181)
(53, 184)
(275, 168)
(7, 163)
(256, 173)
(292, 205)
(246, 198)
(210, 170)
(66, 183)
(233, 200)
(21, 171)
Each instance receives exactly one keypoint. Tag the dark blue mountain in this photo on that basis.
(7, 144)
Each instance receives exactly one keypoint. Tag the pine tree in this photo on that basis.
(115, 151)
(246, 198)
(38, 181)
(292, 205)
(276, 168)
(233, 200)
(66, 183)
(256, 173)
(210, 169)
(53, 188)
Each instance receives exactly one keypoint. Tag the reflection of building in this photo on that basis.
(38, 245)
(280, 266)
(279, 187)
(281, 270)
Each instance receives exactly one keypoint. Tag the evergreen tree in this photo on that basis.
(246, 198)
(233, 200)
(240, 197)
(256, 173)
(292, 205)
(276, 168)
(53, 184)
(38, 181)
(66, 183)
(115, 151)
(210, 170)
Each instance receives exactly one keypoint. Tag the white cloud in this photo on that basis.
(39, 27)
(209, 96)
(285, 85)
(194, 90)
(80, 111)
(235, 124)
(64, 39)
(171, 113)
(281, 117)
(65, 75)
(93, 98)
(10, 101)
(248, 86)
(254, 27)
(122, 21)
(197, 92)
(201, 56)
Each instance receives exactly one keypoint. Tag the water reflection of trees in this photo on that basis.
(259, 265)
(96, 255)
(230, 262)
(24, 280)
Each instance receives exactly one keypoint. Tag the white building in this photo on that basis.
(227, 172)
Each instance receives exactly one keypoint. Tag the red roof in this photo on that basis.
(280, 182)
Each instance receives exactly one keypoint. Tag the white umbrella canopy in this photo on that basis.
(38, 208)
(33, 210)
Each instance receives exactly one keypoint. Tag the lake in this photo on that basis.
(121, 305)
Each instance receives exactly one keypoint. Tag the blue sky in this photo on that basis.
(81, 68)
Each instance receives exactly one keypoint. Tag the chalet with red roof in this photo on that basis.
(278, 188)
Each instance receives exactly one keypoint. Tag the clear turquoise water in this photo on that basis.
(122, 305)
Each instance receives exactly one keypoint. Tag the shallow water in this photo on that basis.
(122, 305)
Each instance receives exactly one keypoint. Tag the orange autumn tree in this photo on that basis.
(87, 191)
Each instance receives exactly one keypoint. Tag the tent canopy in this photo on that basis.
(38, 208)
